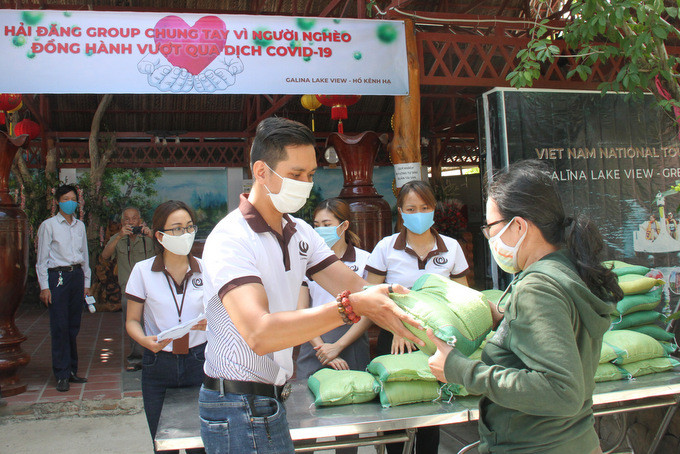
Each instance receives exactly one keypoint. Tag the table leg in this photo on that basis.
(622, 436)
(662, 428)
(408, 445)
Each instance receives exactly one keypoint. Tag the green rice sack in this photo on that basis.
(341, 387)
(406, 367)
(642, 302)
(455, 312)
(494, 295)
(668, 347)
(637, 318)
(625, 346)
(632, 284)
(650, 366)
(654, 331)
(408, 392)
(622, 268)
(608, 372)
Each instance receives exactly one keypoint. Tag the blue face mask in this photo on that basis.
(329, 234)
(68, 207)
(418, 223)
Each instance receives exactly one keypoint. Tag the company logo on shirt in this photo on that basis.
(197, 282)
(354, 268)
(304, 248)
(440, 260)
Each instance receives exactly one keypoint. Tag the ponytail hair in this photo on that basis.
(340, 209)
(526, 190)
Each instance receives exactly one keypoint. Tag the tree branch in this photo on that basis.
(94, 131)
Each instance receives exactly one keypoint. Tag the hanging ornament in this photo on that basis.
(338, 105)
(17, 108)
(29, 127)
(310, 103)
(9, 101)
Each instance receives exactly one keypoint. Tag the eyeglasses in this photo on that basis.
(485, 228)
(177, 231)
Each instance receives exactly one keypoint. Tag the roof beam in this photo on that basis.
(282, 101)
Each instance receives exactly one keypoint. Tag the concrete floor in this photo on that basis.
(79, 435)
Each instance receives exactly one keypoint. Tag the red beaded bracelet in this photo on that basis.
(345, 309)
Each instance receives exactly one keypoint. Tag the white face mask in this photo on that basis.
(180, 245)
(292, 196)
(506, 256)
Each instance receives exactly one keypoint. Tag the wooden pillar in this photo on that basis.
(405, 146)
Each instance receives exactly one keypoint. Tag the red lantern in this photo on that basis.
(2, 118)
(338, 105)
(9, 101)
(29, 127)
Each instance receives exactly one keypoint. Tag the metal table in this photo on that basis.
(179, 426)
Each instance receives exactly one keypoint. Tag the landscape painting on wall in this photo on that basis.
(204, 190)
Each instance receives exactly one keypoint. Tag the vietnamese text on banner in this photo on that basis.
(116, 52)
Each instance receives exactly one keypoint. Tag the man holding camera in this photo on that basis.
(131, 245)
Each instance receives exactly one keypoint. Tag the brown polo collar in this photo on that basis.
(350, 254)
(400, 244)
(158, 266)
(257, 223)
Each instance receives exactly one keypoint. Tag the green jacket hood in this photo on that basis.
(594, 312)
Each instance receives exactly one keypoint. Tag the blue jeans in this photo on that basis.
(164, 370)
(243, 424)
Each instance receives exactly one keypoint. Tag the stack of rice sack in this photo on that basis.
(642, 294)
(454, 312)
(635, 345)
(404, 379)
(628, 354)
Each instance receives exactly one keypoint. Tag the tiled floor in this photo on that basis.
(101, 359)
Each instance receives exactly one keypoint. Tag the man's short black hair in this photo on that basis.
(273, 135)
(65, 189)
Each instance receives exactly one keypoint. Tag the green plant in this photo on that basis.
(601, 31)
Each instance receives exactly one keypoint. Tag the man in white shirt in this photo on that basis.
(63, 269)
(254, 263)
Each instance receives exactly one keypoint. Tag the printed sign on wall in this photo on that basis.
(112, 52)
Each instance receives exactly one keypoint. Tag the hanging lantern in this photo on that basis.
(338, 105)
(2, 118)
(17, 108)
(29, 127)
(310, 103)
(9, 101)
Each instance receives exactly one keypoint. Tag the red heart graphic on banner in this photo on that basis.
(191, 48)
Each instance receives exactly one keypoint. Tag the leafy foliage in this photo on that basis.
(598, 31)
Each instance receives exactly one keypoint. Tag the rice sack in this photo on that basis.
(342, 387)
(455, 312)
(622, 268)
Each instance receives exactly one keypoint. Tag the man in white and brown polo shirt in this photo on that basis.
(254, 263)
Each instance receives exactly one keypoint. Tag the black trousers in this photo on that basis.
(427, 438)
(68, 298)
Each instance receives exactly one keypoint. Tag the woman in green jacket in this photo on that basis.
(536, 375)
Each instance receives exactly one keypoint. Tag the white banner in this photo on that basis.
(118, 52)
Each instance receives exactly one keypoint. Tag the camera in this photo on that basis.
(136, 230)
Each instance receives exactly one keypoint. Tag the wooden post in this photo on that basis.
(405, 146)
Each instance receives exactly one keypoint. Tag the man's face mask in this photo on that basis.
(292, 195)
